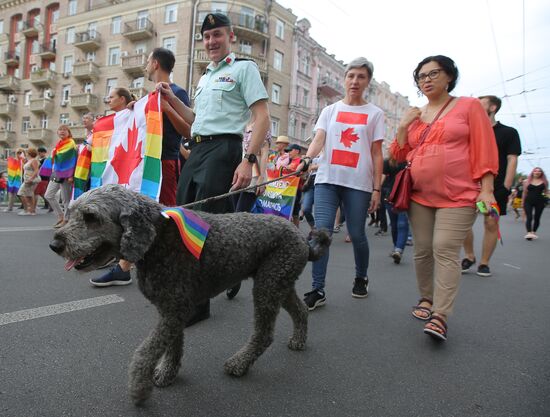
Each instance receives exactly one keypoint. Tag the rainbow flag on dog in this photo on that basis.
(279, 196)
(14, 175)
(126, 148)
(193, 230)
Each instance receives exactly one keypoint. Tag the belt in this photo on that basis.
(203, 138)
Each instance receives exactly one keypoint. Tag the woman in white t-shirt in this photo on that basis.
(350, 132)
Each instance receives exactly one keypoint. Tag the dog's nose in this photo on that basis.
(57, 245)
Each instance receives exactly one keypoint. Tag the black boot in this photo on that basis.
(202, 312)
(232, 292)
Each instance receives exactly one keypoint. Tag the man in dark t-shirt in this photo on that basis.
(509, 148)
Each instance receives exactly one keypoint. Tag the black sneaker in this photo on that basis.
(115, 276)
(314, 299)
(484, 271)
(467, 264)
(360, 288)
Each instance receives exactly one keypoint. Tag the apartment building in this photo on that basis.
(62, 58)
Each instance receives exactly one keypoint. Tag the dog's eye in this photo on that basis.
(90, 218)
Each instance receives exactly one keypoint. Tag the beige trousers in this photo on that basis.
(438, 236)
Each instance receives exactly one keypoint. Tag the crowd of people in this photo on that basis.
(224, 143)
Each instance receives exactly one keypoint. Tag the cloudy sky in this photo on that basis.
(498, 46)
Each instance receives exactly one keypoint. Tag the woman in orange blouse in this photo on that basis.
(453, 167)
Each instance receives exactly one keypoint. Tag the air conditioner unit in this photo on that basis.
(66, 75)
(234, 38)
(198, 36)
(49, 94)
(64, 103)
(124, 53)
(106, 99)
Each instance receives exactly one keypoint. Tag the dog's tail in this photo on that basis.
(318, 241)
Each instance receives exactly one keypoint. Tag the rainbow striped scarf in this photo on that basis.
(14, 175)
(82, 171)
(64, 158)
(192, 228)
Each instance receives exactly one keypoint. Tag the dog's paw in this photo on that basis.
(236, 366)
(163, 377)
(140, 393)
(296, 344)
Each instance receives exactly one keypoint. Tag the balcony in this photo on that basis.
(88, 41)
(41, 105)
(85, 71)
(9, 83)
(8, 110)
(329, 87)
(40, 136)
(79, 132)
(44, 78)
(139, 29)
(11, 58)
(7, 138)
(251, 27)
(46, 51)
(31, 28)
(137, 92)
(85, 101)
(134, 65)
(201, 58)
(99, 4)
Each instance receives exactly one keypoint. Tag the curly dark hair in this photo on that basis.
(446, 63)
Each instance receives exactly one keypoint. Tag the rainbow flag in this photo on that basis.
(101, 139)
(64, 158)
(152, 165)
(279, 196)
(193, 229)
(14, 175)
(82, 172)
(46, 168)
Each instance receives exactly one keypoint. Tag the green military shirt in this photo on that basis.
(224, 95)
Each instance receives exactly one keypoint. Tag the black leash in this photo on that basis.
(230, 193)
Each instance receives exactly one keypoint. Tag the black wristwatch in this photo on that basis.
(250, 157)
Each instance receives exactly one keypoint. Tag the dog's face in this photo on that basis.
(105, 224)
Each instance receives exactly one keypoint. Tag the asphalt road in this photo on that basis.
(365, 357)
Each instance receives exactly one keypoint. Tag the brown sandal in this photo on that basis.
(423, 309)
(440, 332)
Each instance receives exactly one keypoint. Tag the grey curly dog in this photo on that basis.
(114, 222)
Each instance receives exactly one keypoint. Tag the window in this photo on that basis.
(137, 82)
(169, 43)
(26, 124)
(219, 7)
(27, 100)
(111, 84)
(92, 30)
(171, 13)
(65, 93)
(89, 87)
(68, 64)
(35, 47)
(278, 61)
(72, 7)
(141, 47)
(276, 93)
(305, 98)
(1, 26)
(64, 119)
(116, 25)
(245, 47)
(280, 29)
(44, 121)
(292, 128)
(55, 16)
(303, 131)
(274, 127)
(297, 100)
(246, 18)
(70, 35)
(90, 56)
(306, 65)
(114, 56)
(142, 19)
(9, 124)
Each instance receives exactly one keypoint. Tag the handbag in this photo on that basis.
(400, 196)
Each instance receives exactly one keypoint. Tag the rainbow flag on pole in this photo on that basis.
(14, 175)
(192, 228)
(82, 171)
(64, 158)
(127, 147)
(279, 197)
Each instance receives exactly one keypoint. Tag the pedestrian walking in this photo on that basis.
(350, 132)
(451, 147)
(535, 196)
(30, 182)
(509, 149)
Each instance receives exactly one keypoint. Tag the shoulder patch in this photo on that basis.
(244, 59)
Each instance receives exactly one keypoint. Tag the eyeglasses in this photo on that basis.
(432, 75)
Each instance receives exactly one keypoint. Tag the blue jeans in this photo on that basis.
(307, 205)
(399, 228)
(356, 204)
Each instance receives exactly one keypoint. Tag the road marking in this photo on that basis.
(512, 266)
(51, 310)
(25, 229)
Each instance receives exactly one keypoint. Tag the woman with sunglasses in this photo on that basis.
(451, 144)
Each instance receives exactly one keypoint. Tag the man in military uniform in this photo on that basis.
(229, 93)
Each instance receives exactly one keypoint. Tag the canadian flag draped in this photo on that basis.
(127, 146)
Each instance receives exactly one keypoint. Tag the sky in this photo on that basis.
(498, 46)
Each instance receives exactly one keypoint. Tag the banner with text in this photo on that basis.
(279, 196)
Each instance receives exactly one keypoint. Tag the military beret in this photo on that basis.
(215, 20)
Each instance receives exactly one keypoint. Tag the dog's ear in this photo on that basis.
(138, 233)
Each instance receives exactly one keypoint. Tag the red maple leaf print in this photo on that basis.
(124, 162)
(348, 137)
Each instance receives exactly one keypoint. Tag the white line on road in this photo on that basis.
(35, 313)
(25, 229)
(512, 266)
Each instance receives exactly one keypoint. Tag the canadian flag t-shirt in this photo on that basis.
(350, 132)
